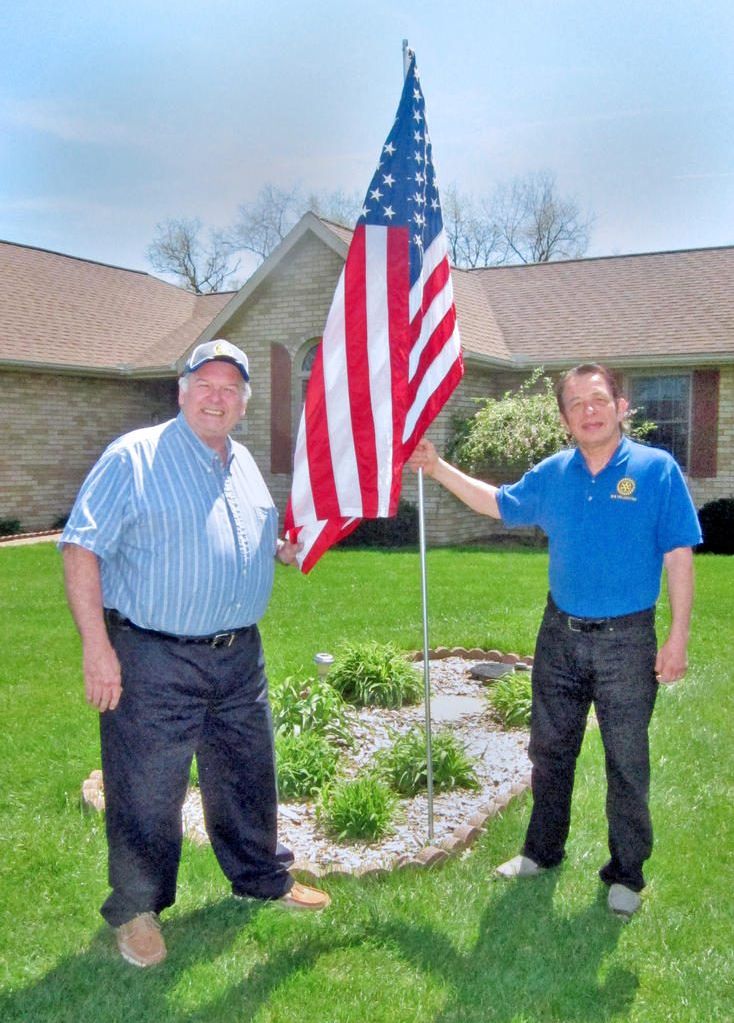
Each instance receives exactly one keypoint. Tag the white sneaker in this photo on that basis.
(623, 901)
(519, 866)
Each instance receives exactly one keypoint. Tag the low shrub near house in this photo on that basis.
(360, 808)
(9, 527)
(717, 526)
(375, 675)
(405, 765)
(399, 531)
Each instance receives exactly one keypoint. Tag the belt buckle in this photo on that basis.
(575, 624)
(225, 639)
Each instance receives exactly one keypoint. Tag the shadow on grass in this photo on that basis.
(529, 963)
(97, 986)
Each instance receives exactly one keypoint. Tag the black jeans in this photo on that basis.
(177, 700)
(613, 667)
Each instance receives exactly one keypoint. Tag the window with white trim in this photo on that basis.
(666, 401)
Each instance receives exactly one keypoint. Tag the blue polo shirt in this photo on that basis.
(607, 534)
(186, 544)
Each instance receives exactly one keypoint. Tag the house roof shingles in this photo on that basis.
(63, 312)
(616, 308)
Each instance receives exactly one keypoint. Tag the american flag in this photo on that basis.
(390, 354)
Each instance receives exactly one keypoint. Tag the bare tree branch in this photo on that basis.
(537, 225)
(177, 249)
(264, 223)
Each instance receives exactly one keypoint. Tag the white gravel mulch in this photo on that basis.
(459, 703)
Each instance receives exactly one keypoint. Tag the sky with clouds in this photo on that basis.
(116, 116)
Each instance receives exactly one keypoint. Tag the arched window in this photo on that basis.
(302, 367)
(306, 366)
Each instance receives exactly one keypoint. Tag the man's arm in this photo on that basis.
(102, 678)
(672, 659)
(480, 497)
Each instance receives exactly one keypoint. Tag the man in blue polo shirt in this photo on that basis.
(169, 557)
(616, 513)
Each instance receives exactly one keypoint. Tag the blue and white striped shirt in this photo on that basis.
(186, 545)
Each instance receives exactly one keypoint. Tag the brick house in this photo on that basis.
(88, 351)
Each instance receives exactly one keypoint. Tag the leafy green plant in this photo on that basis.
(310, 704)
(9, 527)
(518, 430)
(305, 763)
(360, 808)
(375, 675)
(404, 766)
(511, 699)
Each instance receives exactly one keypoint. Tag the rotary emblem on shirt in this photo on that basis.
(626, 487)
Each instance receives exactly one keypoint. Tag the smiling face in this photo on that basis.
(213, 401)
(592, 416)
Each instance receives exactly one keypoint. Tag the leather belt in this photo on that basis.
(576, 624)
(218, 639)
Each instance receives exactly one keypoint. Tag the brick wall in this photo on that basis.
(54, 428)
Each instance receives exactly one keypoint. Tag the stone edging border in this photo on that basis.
(15, 537)
(462, 837)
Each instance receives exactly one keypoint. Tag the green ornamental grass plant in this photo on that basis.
(511, 699)
(360, 808)
(305, 762)
(375, 675)
(310, 704)
(404, 766)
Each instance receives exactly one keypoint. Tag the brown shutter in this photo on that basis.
(281, 453)
(704, 422)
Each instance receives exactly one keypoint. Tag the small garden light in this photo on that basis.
(323, 662)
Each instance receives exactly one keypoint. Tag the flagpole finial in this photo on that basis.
(407, 54)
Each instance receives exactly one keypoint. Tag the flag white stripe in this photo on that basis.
(378, 352)
(301, 494)
(438, 308)
(433, 255)
(435, 373)
(338, 410)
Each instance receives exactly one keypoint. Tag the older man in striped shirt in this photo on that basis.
(169, 558)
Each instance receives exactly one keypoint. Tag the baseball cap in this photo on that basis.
(217, 349)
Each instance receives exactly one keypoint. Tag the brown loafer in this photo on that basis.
(140, 940)
(302, 897)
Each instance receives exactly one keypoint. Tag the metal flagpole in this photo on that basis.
(424, 596)
(426, 664)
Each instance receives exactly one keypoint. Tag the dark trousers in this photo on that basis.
(611, 667)
(177, 700)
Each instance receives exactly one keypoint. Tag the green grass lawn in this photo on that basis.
(446, 945)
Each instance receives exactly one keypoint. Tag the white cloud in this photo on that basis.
(53, 118)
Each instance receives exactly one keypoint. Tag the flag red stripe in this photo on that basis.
(438, 339)
(333, 531)
(434, 405)
(323, 488)
(358, 381)
(432, 287)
